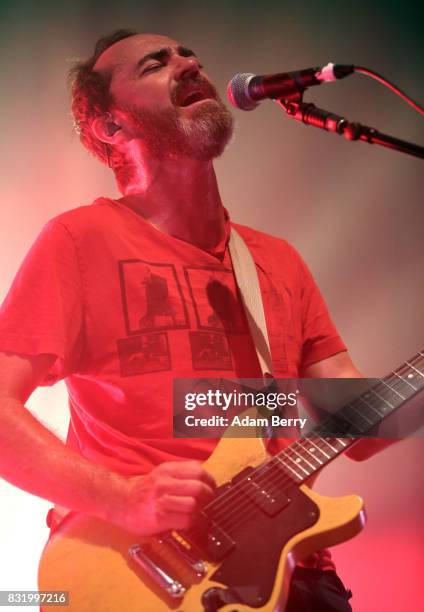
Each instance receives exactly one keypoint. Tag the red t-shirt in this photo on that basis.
(127, 308)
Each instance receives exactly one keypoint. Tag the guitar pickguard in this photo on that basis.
(249, 571)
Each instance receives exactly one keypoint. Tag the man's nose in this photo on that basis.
(186, 67)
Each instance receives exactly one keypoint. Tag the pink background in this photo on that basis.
(355, 213)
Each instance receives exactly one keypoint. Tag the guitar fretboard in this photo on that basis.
(306, 456)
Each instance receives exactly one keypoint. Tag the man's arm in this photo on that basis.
(342, 366)
(34, 459)
(336, 366)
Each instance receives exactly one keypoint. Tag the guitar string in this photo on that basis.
(279, 480)
(286, 480)
(374, 410)
(290, 452)
(381, 380)
(276, 487)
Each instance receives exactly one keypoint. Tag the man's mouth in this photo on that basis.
(194, 94)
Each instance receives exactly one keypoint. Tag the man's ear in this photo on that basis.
(105, 129)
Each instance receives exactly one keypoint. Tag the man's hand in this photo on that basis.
(166, 498)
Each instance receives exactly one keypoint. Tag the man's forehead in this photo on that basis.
(129, 50)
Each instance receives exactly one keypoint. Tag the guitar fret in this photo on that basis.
(344, 415)
(285, 453)
(330, 428)
(400, 386)
(414, 365)
(287, 466)
(373, 395)
(391, 389)
(303, 458)
(363, 398)
(298, 462)
(389, 404)
(322, 451)
(311, 451)
(406, 370)
(406, 381)
(415, 369)
(384, 392)
(360, 414)
(328, 444)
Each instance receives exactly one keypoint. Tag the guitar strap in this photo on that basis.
(250, 293)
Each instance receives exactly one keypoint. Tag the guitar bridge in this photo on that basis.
(159, 575)
(170, 562)
(182, 550)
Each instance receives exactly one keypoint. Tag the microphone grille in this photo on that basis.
(237, 92)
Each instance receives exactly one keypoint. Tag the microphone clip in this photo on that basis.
(309, 114)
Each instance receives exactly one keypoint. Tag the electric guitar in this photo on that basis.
(246, 542)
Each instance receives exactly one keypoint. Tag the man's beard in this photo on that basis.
(202, 133)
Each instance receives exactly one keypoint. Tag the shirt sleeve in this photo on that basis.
(320, 336)
(42, 312)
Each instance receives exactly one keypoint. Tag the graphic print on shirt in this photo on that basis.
(215, 301)
(152, 301)
(152, 298)
(144, 354)
(218, 312)
(210, 351)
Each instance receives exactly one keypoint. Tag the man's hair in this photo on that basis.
(90, 94)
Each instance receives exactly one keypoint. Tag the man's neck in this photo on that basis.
(179, 197)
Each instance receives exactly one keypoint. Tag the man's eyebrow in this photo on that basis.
(163, 53)
(185, 52)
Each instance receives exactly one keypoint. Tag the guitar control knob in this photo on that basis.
(214, 598)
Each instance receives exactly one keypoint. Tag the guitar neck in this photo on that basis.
(358, 418)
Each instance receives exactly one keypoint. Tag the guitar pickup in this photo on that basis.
(268, 499)
(219, 543)
(158, 574)
(262, 490)
(209, 538)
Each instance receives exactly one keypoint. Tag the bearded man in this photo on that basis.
(120, 297)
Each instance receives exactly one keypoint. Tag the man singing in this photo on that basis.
(120, 297)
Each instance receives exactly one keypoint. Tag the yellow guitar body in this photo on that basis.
(89, 558)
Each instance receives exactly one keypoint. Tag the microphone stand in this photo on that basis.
(312, 115)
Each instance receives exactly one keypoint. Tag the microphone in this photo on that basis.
(246, 90)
